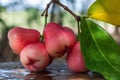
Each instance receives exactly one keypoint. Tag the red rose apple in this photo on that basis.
(35, 57)
(75, 59)
(21, 37)
(57, 38)
(69, 37)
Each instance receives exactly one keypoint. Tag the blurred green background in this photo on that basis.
(27, 13)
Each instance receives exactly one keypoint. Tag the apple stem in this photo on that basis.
(42, 38)
(78, 18)
(78, 25)
(45, 20)
(45, 12)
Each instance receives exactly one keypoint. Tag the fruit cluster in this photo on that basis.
(36, 55)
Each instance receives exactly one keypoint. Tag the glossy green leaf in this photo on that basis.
(106, 10)
(101, 52)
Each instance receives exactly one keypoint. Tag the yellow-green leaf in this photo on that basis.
(106, 10)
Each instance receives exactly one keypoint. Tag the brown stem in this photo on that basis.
(78, 18)
(46, 10)
(67, 9)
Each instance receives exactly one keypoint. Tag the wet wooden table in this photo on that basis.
(56, 71)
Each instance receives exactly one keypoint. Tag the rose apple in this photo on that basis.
(69, 37)
(20, 37)
(57, 39)
(35, 57)
(75, 59)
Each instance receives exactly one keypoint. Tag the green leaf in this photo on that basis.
(101, 52)
(106, 10)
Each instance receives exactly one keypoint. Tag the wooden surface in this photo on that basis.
(56, 71)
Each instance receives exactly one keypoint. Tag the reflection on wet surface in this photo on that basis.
(14, 74)
(14, 71)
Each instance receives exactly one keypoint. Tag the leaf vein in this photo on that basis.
(100, 49)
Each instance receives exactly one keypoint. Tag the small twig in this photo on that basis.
(78, 24)
(46, 10)
(78, 18)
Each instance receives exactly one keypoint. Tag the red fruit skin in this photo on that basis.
(75, 60)
(70, 37)
(57, 38)
(21, 37)
(35, 57)
(54, 39)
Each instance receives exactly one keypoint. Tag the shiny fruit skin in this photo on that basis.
(75, 60)
(35, 57)
(57, 39)
(21, 37)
